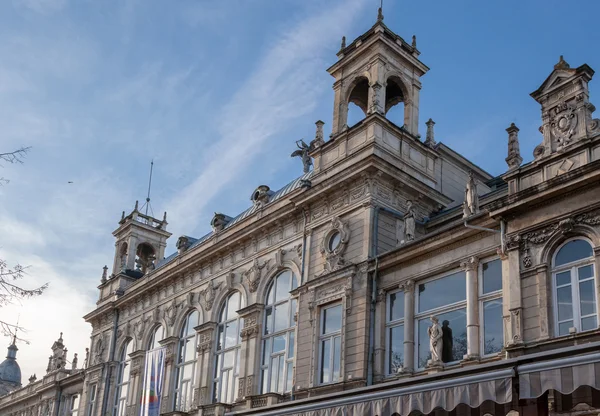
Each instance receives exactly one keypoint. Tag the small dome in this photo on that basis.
(10, 372)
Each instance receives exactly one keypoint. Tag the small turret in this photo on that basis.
(10, 372)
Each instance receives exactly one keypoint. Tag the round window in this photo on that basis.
(334, 240)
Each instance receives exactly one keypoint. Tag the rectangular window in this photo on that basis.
(446, 298)
(330, 344)
(395, 332)
(575, 299)
(91, 407)
(490, 307)
(73, 405)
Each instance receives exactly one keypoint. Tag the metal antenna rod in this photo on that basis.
(149, 185)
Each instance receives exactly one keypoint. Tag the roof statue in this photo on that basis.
(430, 137)
(471, 204)
(303, 153)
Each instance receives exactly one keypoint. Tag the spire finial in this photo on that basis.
(136, 205)
(562, 64)
(343, 43)
(147, 203)
(104, 274)
(380, 14)
(430, 137)
(414, 41)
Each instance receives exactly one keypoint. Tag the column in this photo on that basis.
(249, 356)
(376, 99)
(204, 369)
(409, 325)
(170, 343)
(470, 266)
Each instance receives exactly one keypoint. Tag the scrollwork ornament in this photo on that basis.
(208, 295)
(254, 274)
(334, 255)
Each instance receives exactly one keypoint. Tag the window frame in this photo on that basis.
(92, 397)
(389, 324)
(451, 307)
(482, 298)
(124, 361)
(331, 337)
(289, 332)
(217, 370)
(152, 338)
(72, 411)
(573, 269)
(179, 367)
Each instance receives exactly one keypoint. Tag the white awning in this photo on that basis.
(563, 375)
(445, 394)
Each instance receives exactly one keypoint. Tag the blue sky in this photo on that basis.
(217, 92)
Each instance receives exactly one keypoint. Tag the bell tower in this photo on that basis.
(141, 241)
(377, 71)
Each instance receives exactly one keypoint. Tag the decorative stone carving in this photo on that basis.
(589, 218)
(99, 350)
(171, 312)
(514, 159)
(254, 274)
(470, 264)
(183, 243)
(104, 274)
(138, 328)
(563, 124)
(430, 137)
(334, 253)
(303, 153)
(435, 342)
(407, 285)
(409, 221)
(208, 295)
(471, 204)
(249, 385)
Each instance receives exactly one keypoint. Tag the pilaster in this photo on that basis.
(170, 343)
(206, 343)
(512, 301)
(249, 365)
(136, 376)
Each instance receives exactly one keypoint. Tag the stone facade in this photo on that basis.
(318, 299)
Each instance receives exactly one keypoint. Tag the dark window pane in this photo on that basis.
(444, 291)
(588, 323)
(334, 241)
(573, 251)
(291, 345)
(587, 298)
(492, 276)
(279, 343)
(563, 278)
(493, 338)
(396, 349)
(454, 340)
(563, 329)
(231, 334)
(585, 272)
(332, 319)
(271, 294)
(396, 306)
(565, 303)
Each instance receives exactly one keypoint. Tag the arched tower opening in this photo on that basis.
(358, 101)
(395, 101)
(145, 256)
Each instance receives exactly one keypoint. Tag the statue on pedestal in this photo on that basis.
(435, 342)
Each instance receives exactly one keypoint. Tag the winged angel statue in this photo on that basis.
(303, 152)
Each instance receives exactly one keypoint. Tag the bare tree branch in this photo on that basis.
(16, 156)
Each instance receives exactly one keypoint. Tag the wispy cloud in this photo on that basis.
(279, 91)
(41, 6)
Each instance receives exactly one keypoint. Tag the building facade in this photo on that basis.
(396, 277)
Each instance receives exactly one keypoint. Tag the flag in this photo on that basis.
(153, 382)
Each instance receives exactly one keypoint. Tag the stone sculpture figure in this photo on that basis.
(86, 361)
(471, 197)
(435, 341)
(409, 221)
(303, 153)
(74, 362)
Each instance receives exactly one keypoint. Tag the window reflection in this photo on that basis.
(441, 292)
(454, 341)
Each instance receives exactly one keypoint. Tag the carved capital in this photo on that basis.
(470, 264)
(407, 285)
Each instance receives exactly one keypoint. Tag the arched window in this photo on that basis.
(227, 354)
(158, 334)
(277, 362)
(394, 101)
(573, 280)
(358, 101)
(186, 363)
(122, 388)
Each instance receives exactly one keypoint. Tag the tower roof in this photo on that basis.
(10, 372)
